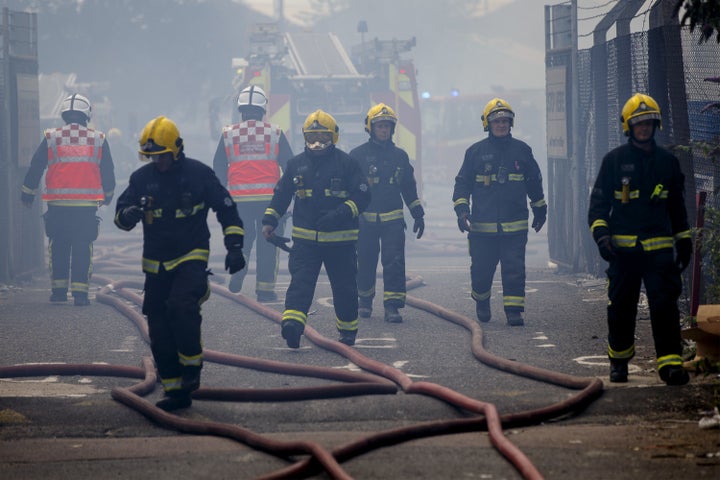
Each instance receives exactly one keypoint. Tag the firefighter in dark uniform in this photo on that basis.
(249, 159)
(80, 176)
(330, 192)
(172, 196)
(498, 175)
(637, 215)
(382, 224)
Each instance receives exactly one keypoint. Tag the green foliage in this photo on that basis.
(710, 245)
(703, 15)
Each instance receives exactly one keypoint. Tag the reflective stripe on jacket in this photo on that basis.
(73, 174)
(252, 149)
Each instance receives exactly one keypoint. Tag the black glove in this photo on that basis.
(539, 217)
(234, 260)
(607, 252)
(131, 215)
(332, 219)
(419, 227)
(463, 221)
(684, 248)
(27, 199)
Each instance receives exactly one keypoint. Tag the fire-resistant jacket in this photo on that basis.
(320, 184)
(176, 205)
(638, 199)
(498, 174)
(249, 158)
(392, 180)
(80, 171)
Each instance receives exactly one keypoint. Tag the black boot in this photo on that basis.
(347, 337)
(674, 375)
(58, 295)
(175, 400)
(81, 299)
(364, 307)
(514, 318)
(291, 331)
(191, 378)
(392, 315)
(618, 370)
(482, 309)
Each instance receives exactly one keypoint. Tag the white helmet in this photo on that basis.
(253, 96)
(76, 103)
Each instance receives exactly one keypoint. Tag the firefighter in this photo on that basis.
(637, 215)
(382, 225)
(498, 174)
(330, 192)
(249, 158)
(172, 196)
(80, 177)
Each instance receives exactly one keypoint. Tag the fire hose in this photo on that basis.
(382, 380)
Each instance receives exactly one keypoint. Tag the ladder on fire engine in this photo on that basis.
(319, 55)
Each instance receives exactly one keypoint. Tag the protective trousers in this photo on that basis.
(267, 255)
(485, 253)
(172, 305)
(341, 267)
(663, 286)
(387, 241)
(72, 231)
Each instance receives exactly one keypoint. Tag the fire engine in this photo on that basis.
(304, 71)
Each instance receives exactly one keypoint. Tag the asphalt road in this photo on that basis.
(63, 427)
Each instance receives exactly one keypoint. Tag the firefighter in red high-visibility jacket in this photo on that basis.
(637, 215)
(249, 160)
(80, 177)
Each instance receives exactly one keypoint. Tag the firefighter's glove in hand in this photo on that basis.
(234, 260)
(419, 227)
(539, 217)
(131, 215)
(27, 199)
(607, 252)
(463, 220)
(684, 251)
(332, 219)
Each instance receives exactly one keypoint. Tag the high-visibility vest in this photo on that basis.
(252, 149)
(73, 174)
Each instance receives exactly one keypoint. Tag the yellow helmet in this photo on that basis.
(638, 108)
(321, 122)
(160, 135)
(497, 108)
(379, 113)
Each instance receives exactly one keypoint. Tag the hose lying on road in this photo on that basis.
(382, 379)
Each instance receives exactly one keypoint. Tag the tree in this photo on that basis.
(701, 14)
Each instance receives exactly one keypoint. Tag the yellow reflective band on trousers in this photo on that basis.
(172, 384)
(296, 315)
(626, 354)
(325, 237)
(383, 217)
(393, 296)
(79, 287)
(668, 360)
(153, 266)
(513, 301)
(346, 326)
(480, 297)
(367, 293)
(58, 284)
(191, 360)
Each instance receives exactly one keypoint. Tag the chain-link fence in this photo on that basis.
(665, 62)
